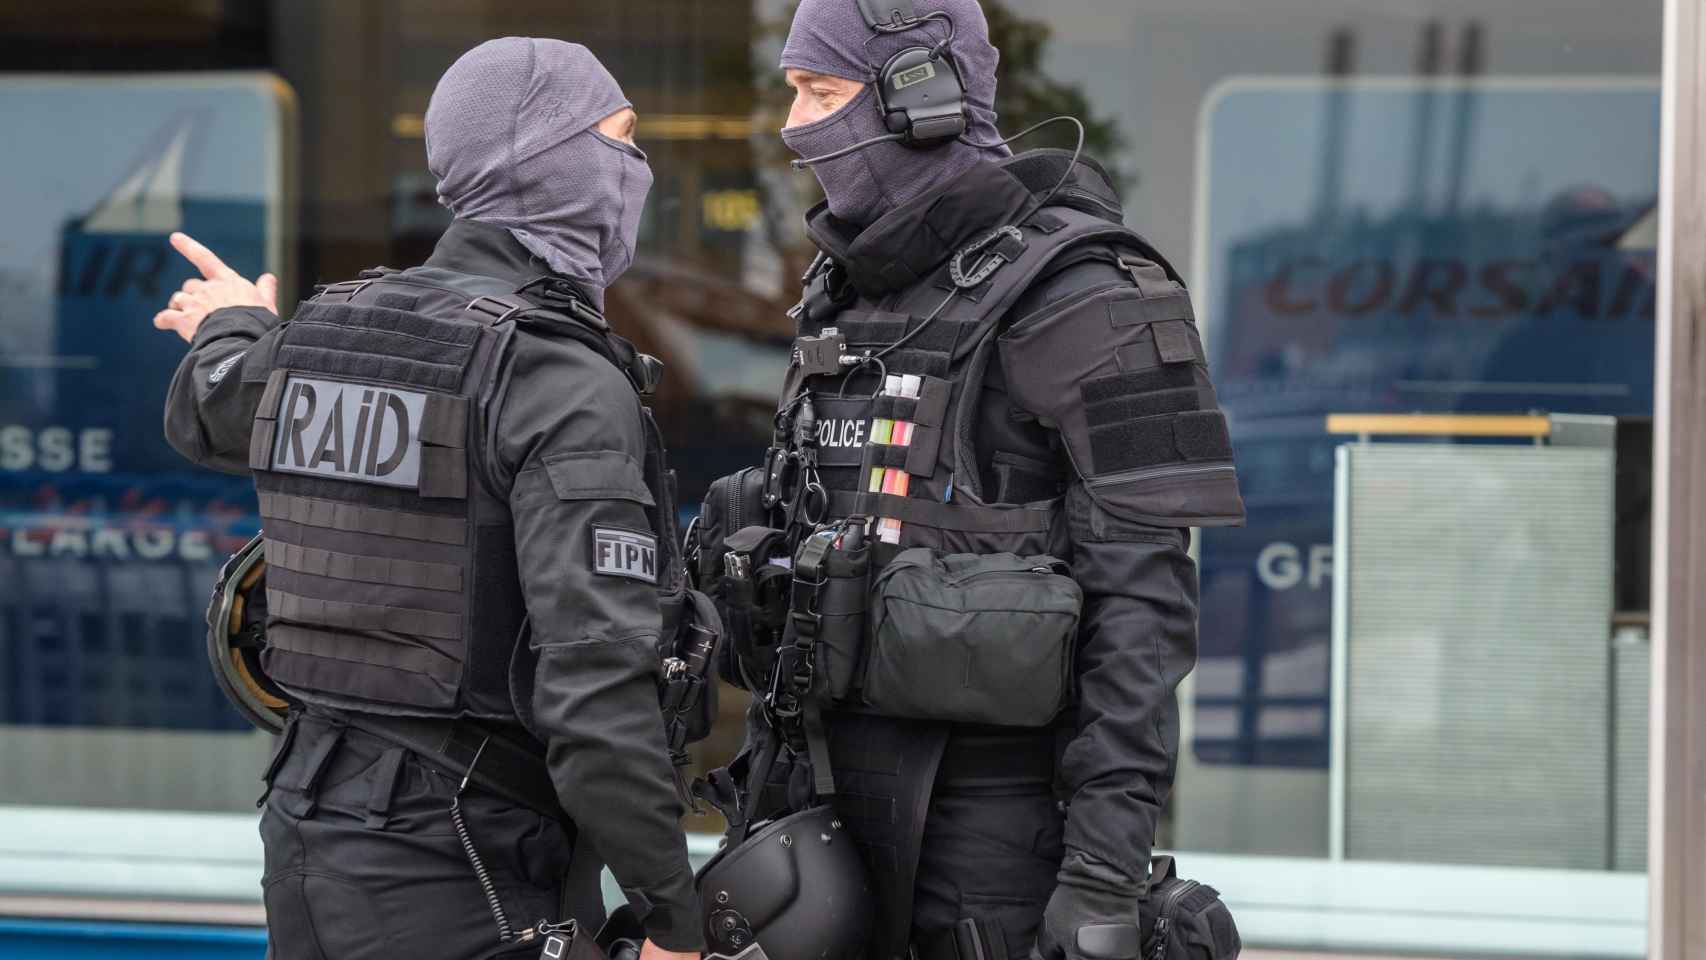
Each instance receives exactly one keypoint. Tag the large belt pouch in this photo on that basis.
(969, 638)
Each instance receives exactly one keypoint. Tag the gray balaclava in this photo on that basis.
(509, 135)
(831, 37)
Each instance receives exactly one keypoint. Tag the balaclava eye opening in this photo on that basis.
(510, 135)
(831, 37)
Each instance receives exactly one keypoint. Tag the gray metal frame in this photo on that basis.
(1677, 839)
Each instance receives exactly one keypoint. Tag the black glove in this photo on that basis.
(1088, 914)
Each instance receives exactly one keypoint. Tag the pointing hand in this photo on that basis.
(220, 286)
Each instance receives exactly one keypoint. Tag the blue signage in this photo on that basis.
(109, 540)
(1395, 247)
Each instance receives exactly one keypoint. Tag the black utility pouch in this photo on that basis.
(841, 607)
(688, 685)
(972, 638)
(1185, 920)
(732, 503)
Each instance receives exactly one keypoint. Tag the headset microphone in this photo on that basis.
(844, 151)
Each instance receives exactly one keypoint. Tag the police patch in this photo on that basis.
(351, 431)
(625, 553)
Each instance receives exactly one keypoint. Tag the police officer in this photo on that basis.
(1065, 410)
(469, 544)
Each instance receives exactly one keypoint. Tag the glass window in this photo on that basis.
(1418, 720)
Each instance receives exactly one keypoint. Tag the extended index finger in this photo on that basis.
(202, 258)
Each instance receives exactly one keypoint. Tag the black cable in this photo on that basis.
(889, 29)
(1037, 204)
(805, 162)
(1077, 152)
(915, 331)
(506, 933)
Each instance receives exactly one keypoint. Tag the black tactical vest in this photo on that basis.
(391, 571)
(946, 506)
(1145, 434)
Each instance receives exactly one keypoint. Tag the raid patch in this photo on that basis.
(625, 553)
(350, 431)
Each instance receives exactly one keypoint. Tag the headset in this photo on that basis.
(919, 89)
(922, 96)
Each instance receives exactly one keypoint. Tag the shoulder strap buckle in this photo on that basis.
(496, 310)
(555, 293)
(341, 292)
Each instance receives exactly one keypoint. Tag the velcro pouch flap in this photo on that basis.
(971, 638)
(597, 475)
(1154, 303)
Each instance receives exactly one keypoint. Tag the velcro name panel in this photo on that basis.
(350, 431)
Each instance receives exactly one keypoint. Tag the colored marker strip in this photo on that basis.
(897, 481)
(882, 431)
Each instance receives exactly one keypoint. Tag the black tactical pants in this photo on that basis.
(990, 843)
(363, 860)
(992, 846)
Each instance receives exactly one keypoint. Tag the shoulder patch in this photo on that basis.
(225, 366)
(618, 552)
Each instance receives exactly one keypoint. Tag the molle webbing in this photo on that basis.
(386, 571)
(351, 664)
(875, 329)
(379, 343)
(930, 352)
(347, 615)
(379, 521)
(965, 517)
(948, 354)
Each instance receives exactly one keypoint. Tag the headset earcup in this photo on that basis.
(922, 97)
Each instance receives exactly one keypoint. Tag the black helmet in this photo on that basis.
(793, 890)
(236, 634)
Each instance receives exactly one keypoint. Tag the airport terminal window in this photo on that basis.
(1440, 207)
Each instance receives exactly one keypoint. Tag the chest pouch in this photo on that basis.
(971, 638)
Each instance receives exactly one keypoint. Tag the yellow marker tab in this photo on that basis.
(1440, 424)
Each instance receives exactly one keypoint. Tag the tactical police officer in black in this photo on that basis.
(469, 545)
(1042, 434)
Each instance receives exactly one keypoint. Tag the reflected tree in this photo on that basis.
(1028, 94)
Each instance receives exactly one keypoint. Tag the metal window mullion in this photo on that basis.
(1677, 775)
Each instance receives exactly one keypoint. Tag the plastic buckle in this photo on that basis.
(555, 293)
(647, 374)
(804, 670)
